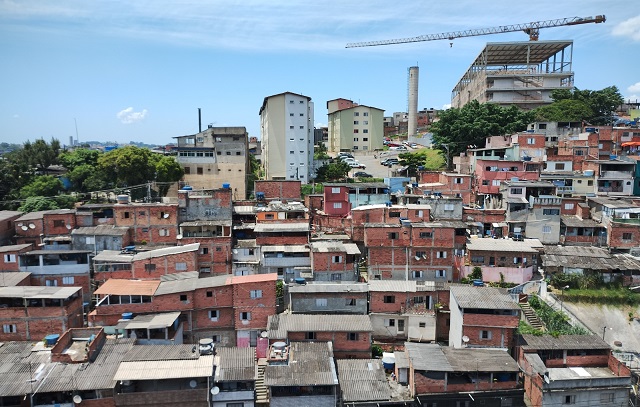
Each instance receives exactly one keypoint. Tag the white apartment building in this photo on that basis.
(354, 127)
(286, 130)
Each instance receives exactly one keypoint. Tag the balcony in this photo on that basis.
(613, 175)
(286, 262)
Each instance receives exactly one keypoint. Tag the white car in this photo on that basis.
(356, 164)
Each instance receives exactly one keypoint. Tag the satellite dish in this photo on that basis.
(32, 226)
(215, 390)
(165, 216)
(24, 227)
(77, 399)
(264, 334)
(68, 227)
(179, 237)
(193, 384)
(20, 224)
(465, 339)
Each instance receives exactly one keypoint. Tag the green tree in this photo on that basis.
(44, 185)
(426, 159)
(474, 122)
(254, 173)
(167, 171)
(320, 152)
(78, 157)
(332, 171)
(38, 203)
(565, 110)
(128, 166)
(599, 104)
(41, 154)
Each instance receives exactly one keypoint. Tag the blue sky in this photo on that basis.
(139, 70)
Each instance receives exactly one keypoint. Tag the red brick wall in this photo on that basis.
(79, 280)
(615, 233)
(68, 219)
(323, 262)
(29, 235)
(279, 190)
(260, 308)
(341, 345)
(498, 325)
(12, 266)
(266, 240)
(164, 265)
(333, 224)
(34, 323)
(218, 260)
(105, 402)
(146, 221)
(341, 197)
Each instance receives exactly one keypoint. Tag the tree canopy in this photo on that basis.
(595, 107)
(474, 122)
(424, 159)
(332, 171)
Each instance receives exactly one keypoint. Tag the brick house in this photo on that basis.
(98, 238)
(447, 184)
(30, 313)
(29, 228)
(283, 190)
(118, 296)
(403, 310)
(235, 376)
(327, 298)
(334, 261)
(353, 195)
(150, 223)
(349, 334)
(482, 317)
(447, 376)
(502, 259)
(386, 213)
(489, 222)
(95, 214)
(575, 230)
(7, 226)
(572, 369)
(36, 227)
(9, 256)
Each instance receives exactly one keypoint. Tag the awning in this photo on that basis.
(631, 144)
(499, 224)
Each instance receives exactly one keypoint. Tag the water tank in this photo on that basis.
(589, 173)
(300, 280)
(226, 185)
(187, 188)
(206, 346)
(51, 340)
(613, 157)
(414, 184)
(515, 179)
(260, 196)
(478, 283)
(280, 346)
(388, 360)
(122, 199)
(127, 315)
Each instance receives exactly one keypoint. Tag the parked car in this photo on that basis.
(356, 164)
(389, 161)
(347, 159)
(413, 145)
(362, 174)
(398, 148)
(344, 155)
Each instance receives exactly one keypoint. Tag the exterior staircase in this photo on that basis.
(262, 393)
(531, 316)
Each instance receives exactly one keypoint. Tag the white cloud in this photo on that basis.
(446, 106)
(635, 88)
(318, 125)
(128, 116)
(628, 28)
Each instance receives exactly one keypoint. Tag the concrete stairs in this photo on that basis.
(262, 393)
(531, 316)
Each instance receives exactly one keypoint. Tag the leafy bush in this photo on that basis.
(557, 323)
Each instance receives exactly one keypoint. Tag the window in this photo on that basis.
(51, 283)
(245, 316)
(485, 334)
(335, 190)
(448, 207)
(336, 276)
(356, 131)
(421, 254)
(495, 182)
(516, 191)
(205, 269)
(291, 114)
(441, 255)
(126, 215)
(291, 127)
(546, 229)
(199, 170)
(337, 205)
(551, 212)
(365, 114)
(256, 294)
(149, 267)
(291, 152)
(422, 325)
(209, 294)
(352, 336)
(416, 274)
(291, 101)
(606, 398)
(301, 114)
(356, 113)
(67, 280)
(181, 266)
(393, 235)
(90, 240)
(301, 127)
(355, 122)
(302, 101)
(9, 328)
(390, 322)
(389, 299)
(457, 180)
(365, 130)
(183, 297)
(394, 214)
(351, 302)
(365, 138)
(485, 182)
(559, 166)
(310, 336)
(568, 206)
(426, 235)
(365, 122)
(569, 399)
(58, 223)
(531, 140)
(336, 259)
(214, 314)
(321, 302)
(579, 152)
(204, 250)
(627, 236)
(9, 258)
(477, 259)
(590, 183)
(441, 273)
(164, 232)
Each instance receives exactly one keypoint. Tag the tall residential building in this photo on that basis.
(286, 130)
(516, 73)
(214, 158)
(354, 127)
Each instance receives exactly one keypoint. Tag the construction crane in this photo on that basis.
(532, 29)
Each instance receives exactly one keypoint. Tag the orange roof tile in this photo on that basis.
(252, 278)
(128, 287)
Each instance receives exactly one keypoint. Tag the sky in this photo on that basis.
(138, 70)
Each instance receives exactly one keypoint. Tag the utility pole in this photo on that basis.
(446, 146)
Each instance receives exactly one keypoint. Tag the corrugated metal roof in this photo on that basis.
(166, 251)
(503, 245)
(483, 297)
(37, 292)
(310, 364)
(128, 287)
(113, 256)
(568, 342)
(576, 222)
(101, 230)
(140, 353)
(294, 248)
(236, 364)
(363, 380)
(328, 288)
(166, 369)
(4, 215)
(578, 251)
(31, 216)
(14, 247)
(334, 246)
(436, 358)
(180, 276)
(589, 258)
(427, 356)
(402, 359)
(403, 286)
(280, 325)
(281, 227)
(12, 278)
(56, 252)
(151, 321)
(244, 210)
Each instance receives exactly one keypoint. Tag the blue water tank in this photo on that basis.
(51, 339)
(226, 185)
(187, 188)
(478, 283)
(260, 196)
(127, 315)
(300, 280)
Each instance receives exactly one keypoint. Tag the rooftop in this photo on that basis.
(13, 278)
(328, 288)
(37, 292)
(566, 342)
(363, 380)
(151, 321)
(504, 245)
(236, 364)
(403, 286)
(310, 364)
(128, 287)
(332, 246)
(281, 227)
(483, 297)
(102, 230)
(14, 247)
(280, 325)
(436, 358)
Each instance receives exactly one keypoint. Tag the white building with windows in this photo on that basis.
(286, 130)
(354, 127)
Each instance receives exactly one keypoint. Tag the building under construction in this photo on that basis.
(516, 73)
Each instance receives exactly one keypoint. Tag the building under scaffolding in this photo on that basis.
(516, 73)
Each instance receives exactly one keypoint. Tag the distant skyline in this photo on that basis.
(139, 71)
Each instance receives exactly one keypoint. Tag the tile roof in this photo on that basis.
(280, 325)
(436, 358)
(545, 342)
(363, 380)
(116, 286)
(482, 297)
(310, 364)
(236, 364)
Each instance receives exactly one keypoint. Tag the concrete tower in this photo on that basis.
(413, 100)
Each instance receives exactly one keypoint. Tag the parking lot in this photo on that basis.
(372, 162)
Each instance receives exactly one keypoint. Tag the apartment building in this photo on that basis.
(215, 158)
(286, 132)
(354, 127)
